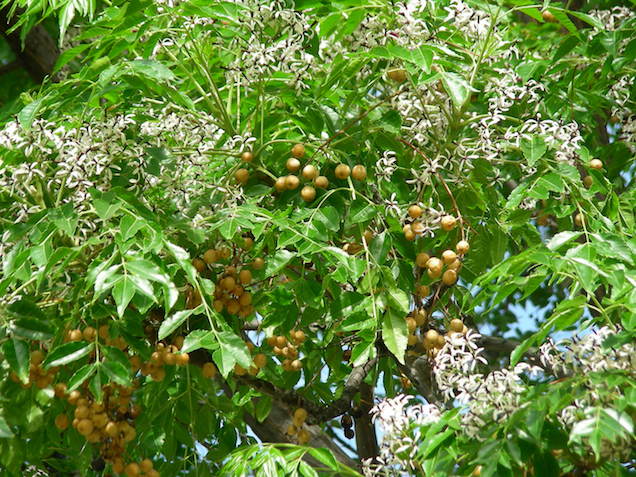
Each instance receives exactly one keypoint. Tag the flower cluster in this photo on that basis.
(490, 397)
(401, 424)
(474, 24)
(264, 53)
(613, 19)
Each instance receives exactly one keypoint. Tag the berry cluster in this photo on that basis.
(288, 349)
(297, 427)
(162, 355)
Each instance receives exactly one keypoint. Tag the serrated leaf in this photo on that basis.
(199, 339)
(16, 352)
(232, 350)
(173, 322)
(67, 353)
(533, 149)
(80, 376)
(395, 333)
(457, 88)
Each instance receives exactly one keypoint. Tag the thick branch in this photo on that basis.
(39, 53)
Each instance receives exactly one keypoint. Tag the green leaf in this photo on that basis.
(324, 456)
(361, 211)
(232, 350)
(80, 376)
(199, 339)
(123, 292)
(5, 430)
(172, 323)
(394, 333)
(28, 113)
(398, 300)
(117, 372)
(457, 88)
(262, 408)
(31, 329)
(561, 239)
(16, 352)
(153, 69)
(276, 263)
(533, 149)
(67, 353)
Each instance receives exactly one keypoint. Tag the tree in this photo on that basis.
(237, 236)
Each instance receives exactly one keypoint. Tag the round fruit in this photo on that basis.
(132, 470)
(588, 181)
(434, 264)
(182, 359)
(596, 164)
(260, 360)
(298, 150)
(61, 422)
(418, 228)
(296, 365)
(430, 339)
(247, 156)
(281, 341)
(448, 222)
(308, 193)
(346, 421)
(421, 259)
(449, 277)
(280, 184)
(248, 243)
(292, 164)
(85, 427)
(208, 370)
(228, 283)
(292, 182)
(415, 211)
(146, 465)
(579, 220)
(456, 325)
(422, 291)
(411, 324)
(321, 182)
(210, 256)
(411, 340)
(398, 75)
(245, 276)
(300, 414)
(258, 263)
(448, 256)
(456, 265)
(303, 436)
(348, 433)
(310, 172)
(462, 247)
(199, 265)
(548, 17)
(359, 172)
(420, 317)
(242, 175)
(299, 336)
(342, 171)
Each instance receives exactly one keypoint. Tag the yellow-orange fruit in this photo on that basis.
(292, 164)
(422, 291)
(321, 182)
(415, 211)
(208, 370)
(245, 299)
(434, 264)
(146, 465)
(308, 193)
(245, 276)
(367, 236)
(420, 317)
(411, 340)
(132, 470)
(85, 427)
(449, 277)
(588, 181)
(298, 150)
(75, 335)
(260, 360)
(448, 256)
(281, 341)
(242, 175)
(397, 75)
(61, 422)
(258, 263)
(462, 247)
(182, 359)
(310, 172)
(210, 256)
(296, 365)
(111, 429)
(292, 182)
(342, 171)
(228, 283)
(359, 172)
(411, 324)
(421, 259)
(548, 16)
(303, 436)
(456, 325)
(280, 185)
(300, 414)
(448, 222)
(456, 265)
(247, 156)
(596, 164)
(239, 370)
(198, 264)
(430, 339)
(579, 220)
